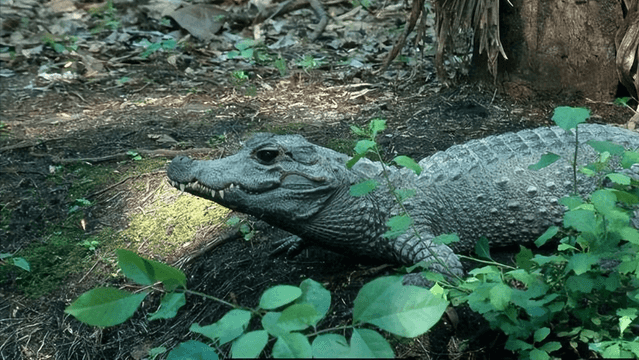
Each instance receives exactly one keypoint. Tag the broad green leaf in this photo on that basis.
(192, 350)
(298, 317)
(270, 324)
(407, 162)
(363, 188)
(622, 101)
(543, 260)
(403, 194)
(546, 160)
(330, 346)
(366, 343)
(249, 345)
(315, 294)
(629, 158)
(105, 306)
(580, 220)
(244, 44)
(620, 179)
(353, 161)
(398, 225)
(169, 306)
(363, 146)
(482, 248)
(292, 345)
(279, 295)
(21, 263)
(569, 117)
(604, 200)
(148, 272)
(376, 125)
(550, 346)
(536, 354)
(581, 263)
(523, 258)
(500, 295)
(407, 311)
(357, 131)
(606, 146)
(580, 283)
(228, 328)
(541, 333)
(571, 202)
(445, 239)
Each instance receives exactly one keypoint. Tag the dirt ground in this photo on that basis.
(167, 111)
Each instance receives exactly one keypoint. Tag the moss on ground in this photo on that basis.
(168, 226)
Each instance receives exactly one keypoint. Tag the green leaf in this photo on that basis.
(568, 117)
(604, 200)
(580, 220)
(192, 350)
(523, 258)
(606, 146)
(315, 294)
(630, 234)
(363, 146)
(629, 158)
(398, 225)
(581, 263)
(579, 283)
(353, 161)
(482, 248)
(500, 296)
(407, 162)
(622, 101)
(550, 346)
(228, 328)
(279, 295)
(292, 345)
(363, 188)
(403, 194)
(249, 345)
(546, 160)
(620, 179)
(536, 354)
(357, 131)
(232, 54)
(148, 272)
(244, 44)
(21, 263)
(367, 343)
(375, 126)
(105, 306)
(330, 346)
(445, 239)
(407, 311)
(571, 202)
(298, 317)
(541, 334)
(270, 324)
(169, 306)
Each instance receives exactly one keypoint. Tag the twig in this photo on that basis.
(418, 6)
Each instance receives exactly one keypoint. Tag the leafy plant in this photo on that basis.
(280, 65)
(134, 155)
(244, 228)
(168, 44)
(60, 44)
(107, 17)
(309, 63)
(20, 262)
(289, 314)
(216, 140)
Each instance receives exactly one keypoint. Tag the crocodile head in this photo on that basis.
(281, 179)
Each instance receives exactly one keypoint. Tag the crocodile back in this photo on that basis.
(484, 187)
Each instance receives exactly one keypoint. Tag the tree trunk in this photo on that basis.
(557, 48)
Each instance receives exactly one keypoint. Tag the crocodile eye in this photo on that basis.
(267, 156)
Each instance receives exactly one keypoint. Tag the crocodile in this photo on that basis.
(480, 188)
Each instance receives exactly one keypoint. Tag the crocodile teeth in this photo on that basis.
(222, 194)
(231, 186)
(182, 187)
(212, 193)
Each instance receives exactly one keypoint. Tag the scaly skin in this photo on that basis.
(481, 188)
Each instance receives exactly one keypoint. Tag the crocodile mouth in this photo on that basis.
(201, 189)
